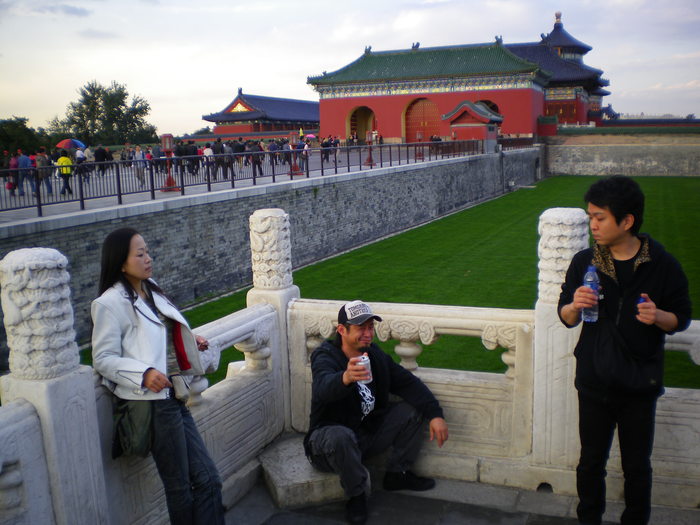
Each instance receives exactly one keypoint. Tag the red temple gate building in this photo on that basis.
(255, 116)
(461, 92)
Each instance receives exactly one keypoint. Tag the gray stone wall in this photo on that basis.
(624, 159)
(200, 243)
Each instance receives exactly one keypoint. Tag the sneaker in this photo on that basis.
(407, 481)
(356, 509)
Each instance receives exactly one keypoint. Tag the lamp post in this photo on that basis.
(167, 144)
(294, 167)
(369, 161)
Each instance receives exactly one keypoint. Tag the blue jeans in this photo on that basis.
(191, 481)
(36, 181)
(634, 419)
(20, 177)
(337, 448)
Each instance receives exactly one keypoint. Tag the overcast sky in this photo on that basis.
(188, 58)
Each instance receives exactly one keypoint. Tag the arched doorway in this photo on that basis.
(422, 120)
(361, 121)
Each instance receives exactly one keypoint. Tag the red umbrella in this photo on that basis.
(70, 144)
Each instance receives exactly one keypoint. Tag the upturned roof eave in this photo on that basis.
(537, 72)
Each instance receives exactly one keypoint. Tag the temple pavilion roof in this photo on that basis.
(255, 107)
(563, 71)
(560, 38)
(432, 62)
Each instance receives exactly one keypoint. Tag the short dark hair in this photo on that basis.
(622, 196)
(338, 339)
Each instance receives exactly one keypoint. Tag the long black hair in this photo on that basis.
(115, 251)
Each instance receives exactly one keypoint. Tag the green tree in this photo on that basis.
(15, 134)
(104, 114)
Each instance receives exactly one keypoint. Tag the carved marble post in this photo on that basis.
(44, 370)
(563, 233)
(271, 252)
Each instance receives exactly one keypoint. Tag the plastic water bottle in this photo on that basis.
(590, 315)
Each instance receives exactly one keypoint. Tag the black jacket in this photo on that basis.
(658, 274)
(333, 403)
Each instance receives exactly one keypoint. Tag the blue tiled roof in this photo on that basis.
(267, 108)
(560, 38)
(563, 71)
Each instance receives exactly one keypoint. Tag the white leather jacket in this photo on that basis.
(128, 338)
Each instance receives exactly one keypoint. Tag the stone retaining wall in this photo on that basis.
(670, 159)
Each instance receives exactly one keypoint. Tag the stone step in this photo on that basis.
(291, 479)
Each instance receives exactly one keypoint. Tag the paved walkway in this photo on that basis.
(450, 503)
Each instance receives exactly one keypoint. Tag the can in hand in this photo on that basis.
(364, 361)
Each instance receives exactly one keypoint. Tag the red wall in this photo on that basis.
(519, 107)
(232, 128)
(581, 111)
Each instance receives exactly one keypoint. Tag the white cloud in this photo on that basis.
(96, 34)
(192, 61)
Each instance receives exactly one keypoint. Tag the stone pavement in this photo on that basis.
(450, 503)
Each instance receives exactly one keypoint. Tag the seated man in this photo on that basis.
(352, 417)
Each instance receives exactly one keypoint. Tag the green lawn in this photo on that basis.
(486, 256)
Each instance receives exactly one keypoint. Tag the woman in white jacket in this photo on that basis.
(141, 346)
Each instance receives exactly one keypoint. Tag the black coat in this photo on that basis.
(659, 275)
(333, 403)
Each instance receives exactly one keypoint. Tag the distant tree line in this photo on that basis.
(101, 115)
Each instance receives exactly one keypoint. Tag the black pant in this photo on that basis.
(337, 448)
(634, 418)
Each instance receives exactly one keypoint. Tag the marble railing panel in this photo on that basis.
(484, 414)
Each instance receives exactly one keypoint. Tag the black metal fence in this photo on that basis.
(40, 187)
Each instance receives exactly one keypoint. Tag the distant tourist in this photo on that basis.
(43, 171)
(620, 356)
(100, 159)
(352, 416)
(146, 354)
(139, 158)
(24, 171)
(65, 167)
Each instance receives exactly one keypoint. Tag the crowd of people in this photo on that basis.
(27, 170)
(24, 170)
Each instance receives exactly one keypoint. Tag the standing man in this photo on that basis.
(352, 417)
(100, 159)
(228, 160)
(43, 171)
(24, 172)
(218, 149)
(643, 296)
(257, 157)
